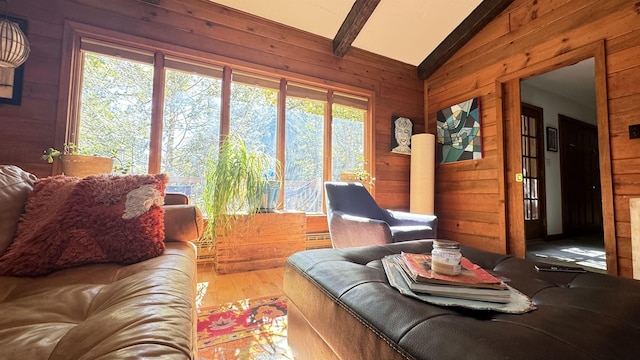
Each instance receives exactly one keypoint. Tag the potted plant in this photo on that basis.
(238, 182)
(76, 163)
(359, 174)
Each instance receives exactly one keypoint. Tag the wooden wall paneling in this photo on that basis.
(622, 60)
(626, 166)
(532, 10)
(568, 28)
(619, 122)
(317, 224)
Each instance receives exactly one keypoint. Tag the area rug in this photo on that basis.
(246, 329)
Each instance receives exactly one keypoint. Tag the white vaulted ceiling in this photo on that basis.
(403, 30)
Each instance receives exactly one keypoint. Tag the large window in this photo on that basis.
(348, 135)
(115, 107)
(165, 113)
(191, 123)
(303, 171)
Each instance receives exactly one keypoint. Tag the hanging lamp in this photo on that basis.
(14, 46)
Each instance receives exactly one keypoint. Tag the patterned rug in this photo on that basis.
(245, 329)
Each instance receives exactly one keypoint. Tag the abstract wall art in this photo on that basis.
(458, 132)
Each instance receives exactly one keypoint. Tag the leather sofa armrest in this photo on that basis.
(182, 223)
(175, 199)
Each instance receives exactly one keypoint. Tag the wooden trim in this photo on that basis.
(66, 129)
(225, 111)
(470, 26)
(157, 111)
(511, 107)
(328, 120)
(503, 205)
(512, 158)
(353, 23)
(369, 144)
(281, 137)
(604, 150)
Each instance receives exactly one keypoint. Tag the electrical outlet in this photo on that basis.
(634, 131)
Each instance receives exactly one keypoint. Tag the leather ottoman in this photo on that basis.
(341, 306)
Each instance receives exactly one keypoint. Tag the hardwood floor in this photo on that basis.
(214, 289)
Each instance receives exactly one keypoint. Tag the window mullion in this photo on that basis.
(281, 136)
(157, 108)
(328, 120)
(225, 112)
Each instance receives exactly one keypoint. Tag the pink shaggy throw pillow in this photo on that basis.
(72, 221)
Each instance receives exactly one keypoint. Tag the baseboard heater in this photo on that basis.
(318, 240)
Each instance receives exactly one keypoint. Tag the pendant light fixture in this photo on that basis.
(14, 46)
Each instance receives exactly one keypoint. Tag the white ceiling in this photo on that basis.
(404, 30)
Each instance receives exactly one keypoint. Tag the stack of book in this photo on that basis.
(473, 283)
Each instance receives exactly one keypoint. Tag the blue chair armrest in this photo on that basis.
(397, 218)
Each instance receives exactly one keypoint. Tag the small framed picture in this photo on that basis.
(401, 131)
(552, 139)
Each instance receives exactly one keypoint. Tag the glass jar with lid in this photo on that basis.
(445, 257)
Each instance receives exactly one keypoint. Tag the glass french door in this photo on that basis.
(533, 172)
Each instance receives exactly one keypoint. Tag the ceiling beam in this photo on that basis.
(481, 16)
(353, 23)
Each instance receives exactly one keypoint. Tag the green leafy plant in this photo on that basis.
(235, 179)
(363, 175)
(69, 149)
(73, 149)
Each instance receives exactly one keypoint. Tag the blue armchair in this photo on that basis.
(355, 219)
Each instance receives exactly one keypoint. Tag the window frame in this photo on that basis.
(68, 115)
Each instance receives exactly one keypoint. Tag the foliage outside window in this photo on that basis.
(117, 100)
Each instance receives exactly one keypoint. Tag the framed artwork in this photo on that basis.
(11, 79)
(552, 139)
(401, 131)
(458, 132)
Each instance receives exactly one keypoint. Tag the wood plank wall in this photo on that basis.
(529, 32)
(27, 130)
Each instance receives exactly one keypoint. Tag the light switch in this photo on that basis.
(634, 131)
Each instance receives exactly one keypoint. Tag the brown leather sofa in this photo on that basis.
(101, 311)
(342, 307)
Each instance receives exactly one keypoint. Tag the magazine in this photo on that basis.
(455, 291)
(418, 267)
(518, 302)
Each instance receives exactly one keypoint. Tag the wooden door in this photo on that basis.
(580, 177)
(533, 172)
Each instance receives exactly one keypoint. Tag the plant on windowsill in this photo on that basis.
(76, 163)
(238, 184)
(359, 174)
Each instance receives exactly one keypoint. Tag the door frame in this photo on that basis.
(507, 89)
